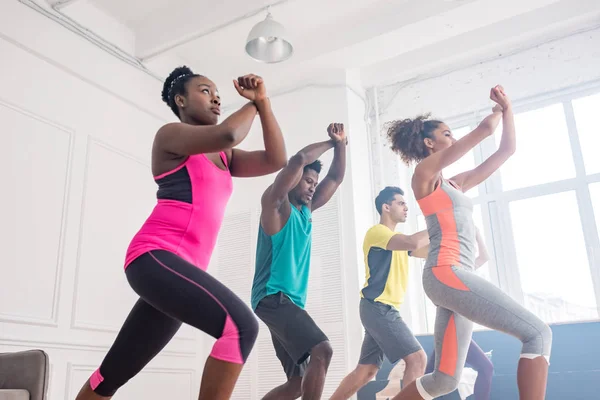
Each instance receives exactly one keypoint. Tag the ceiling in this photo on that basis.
(386, 40)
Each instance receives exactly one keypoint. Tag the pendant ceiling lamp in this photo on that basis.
(267, 42)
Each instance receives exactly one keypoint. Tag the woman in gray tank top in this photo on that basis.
(461, 296)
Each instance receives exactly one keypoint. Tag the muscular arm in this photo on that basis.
(276, 195)
(334, 177)
(507, 147)
(409, 242)
(184, 139)
(261, 162)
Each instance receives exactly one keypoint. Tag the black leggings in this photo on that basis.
(173, 291)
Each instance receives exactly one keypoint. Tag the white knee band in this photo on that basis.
(531, 356)
(421, 390)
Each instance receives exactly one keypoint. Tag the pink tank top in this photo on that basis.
(188, 215)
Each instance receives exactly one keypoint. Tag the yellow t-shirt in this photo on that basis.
(386, 270)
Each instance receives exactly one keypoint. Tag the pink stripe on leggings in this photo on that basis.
(96, 379)
(227, 347)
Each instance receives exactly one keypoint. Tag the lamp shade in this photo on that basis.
(268, 43)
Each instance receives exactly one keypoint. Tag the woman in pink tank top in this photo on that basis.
(193, 162)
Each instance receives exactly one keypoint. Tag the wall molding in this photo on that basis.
(30, 344)
(91, 141)
(74, 367)
(81, 78)
(75, 323)
(52, 320)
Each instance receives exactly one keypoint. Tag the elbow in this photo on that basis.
(279, 161)
(298, 159)
(229, 138)
(413, 245)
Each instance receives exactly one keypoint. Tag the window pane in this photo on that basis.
(586, 118)
(543, 149)
(556, 280)
(484, 270)
(466, 163)
(595, 194)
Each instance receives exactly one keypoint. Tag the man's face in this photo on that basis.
(305, 189)
(397, 209)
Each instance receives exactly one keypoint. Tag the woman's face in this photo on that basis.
(442, 139)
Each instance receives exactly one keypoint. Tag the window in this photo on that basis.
(543, 224)
(484, 269)
(543, 128)
(595, 194)
(552, 259)
(465, 163)
(586, 117)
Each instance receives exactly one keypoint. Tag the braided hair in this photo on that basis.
(176, 84)
(406, 137)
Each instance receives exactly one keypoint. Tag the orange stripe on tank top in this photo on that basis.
(449, 253)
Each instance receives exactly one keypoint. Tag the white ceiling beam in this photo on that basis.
(426, 32)
(497, 40)
(192, 23)
(58, 4)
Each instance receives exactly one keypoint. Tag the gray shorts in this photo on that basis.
(385, 333)
(293, 331)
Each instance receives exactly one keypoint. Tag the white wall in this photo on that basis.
(78, 124)
(571, 63)
(556, 65)
(333, 288)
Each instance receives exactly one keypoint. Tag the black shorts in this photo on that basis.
(293, 331)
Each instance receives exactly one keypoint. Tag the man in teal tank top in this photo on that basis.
(283, 262)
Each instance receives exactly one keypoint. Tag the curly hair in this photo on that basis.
(175, 84)
(406, 137)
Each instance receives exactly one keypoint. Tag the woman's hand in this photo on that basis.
(251, 87)
(498, 96)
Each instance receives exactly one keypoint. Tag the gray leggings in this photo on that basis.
(461, 297)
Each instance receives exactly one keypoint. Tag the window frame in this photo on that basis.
(495, 203)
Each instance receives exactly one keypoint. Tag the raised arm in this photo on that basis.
(429, 169)
(274, 200)
(184, 139)
(507, 147)
(291, 174)
(335, 175)
(273, 157)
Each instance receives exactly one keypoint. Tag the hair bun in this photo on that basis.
(175, 75)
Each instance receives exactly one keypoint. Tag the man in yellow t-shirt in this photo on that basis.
(386, 265)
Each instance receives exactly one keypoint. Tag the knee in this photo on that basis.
(365, 373)
(248, 329)
(540, 341)
(416, 361)
(546, 334)
(239, 334)
(323, 352)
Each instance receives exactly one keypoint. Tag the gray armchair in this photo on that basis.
(24, 375)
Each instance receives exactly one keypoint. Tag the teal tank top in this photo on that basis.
(283, 260)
